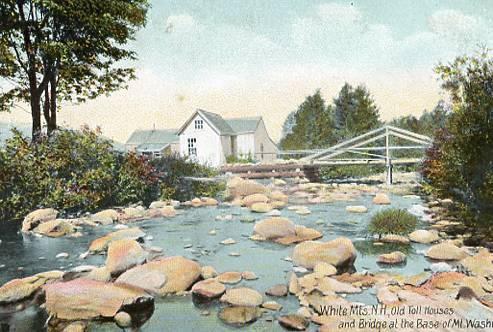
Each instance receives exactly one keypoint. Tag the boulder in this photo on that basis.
(279, 196)
(356, 209)
(325, 269)
(20, 289)
(124, 254)
(248, 275)
(158, 204)
(386, 296)
(196, 202)
(445, 251)
(208, 289)
(54, 228)
(278, 204)
(480, 264)
(238, 187)
(101, 244)
(395, 257)
(302, 233)
(208, 272)
(424, 236)
(123, 319)
(394, 238)
(164, 276)
(249, 200)
(242, 296)
(84, 299)
(239, 316)
(328, 285)
(381, 199)
(339, 252)
(229, 277)
(277, 290)
(131, 213)
(99, 274)
(261, 207)
(274, 228)
(105, 217)
(294, 285)
(279, 182)
(208, 201)
(167, 211)
(294, 322)
(271, 305)
(36, 217)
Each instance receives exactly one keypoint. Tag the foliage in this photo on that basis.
(173, 170)
(460, 163)
(392, 221)
(348, 171)
(136, 180)
(75, 171)
(312, 125)
(355, 112)
(241, 159)
(54, 50)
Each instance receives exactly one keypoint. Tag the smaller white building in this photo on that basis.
(153, 143)
(209, 139)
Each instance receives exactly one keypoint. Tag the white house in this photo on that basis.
(210, 139)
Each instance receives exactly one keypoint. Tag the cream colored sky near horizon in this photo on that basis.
(244, 58)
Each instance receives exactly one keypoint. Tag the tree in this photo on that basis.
(313, 126)
(355, 111)
(460, 164)
(430, 122)
(287, 126)
(53, 50)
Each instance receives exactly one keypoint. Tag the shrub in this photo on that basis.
(392, 221)
(173, 171)
(74, 171)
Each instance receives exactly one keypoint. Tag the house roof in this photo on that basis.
(244, 125)
(151, 147)
(223, 126)
(218, 122)
(154, 136)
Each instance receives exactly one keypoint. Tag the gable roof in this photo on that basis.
(244, 125)
(154, 136)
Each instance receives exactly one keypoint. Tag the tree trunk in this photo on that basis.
(46, 107)
(52, 126)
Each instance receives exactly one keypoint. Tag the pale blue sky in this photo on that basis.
(253, 57)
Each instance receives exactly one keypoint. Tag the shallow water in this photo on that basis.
(192, 226)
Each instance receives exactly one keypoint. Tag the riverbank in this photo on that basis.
(261, 267)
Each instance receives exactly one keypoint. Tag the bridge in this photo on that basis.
(376, 147)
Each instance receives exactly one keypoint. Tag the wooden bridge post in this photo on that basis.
(388, 159)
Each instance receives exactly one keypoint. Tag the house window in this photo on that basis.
(261, 151)
(192, 146)
(199, 124)
(158, 154)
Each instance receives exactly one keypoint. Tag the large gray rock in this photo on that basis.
(124, 254)
(36, 217)
(178, 274)
(424, 236)
(339, 252)
(84, 299)
(446, 251)
(101, 244)
(242, 296)
(274, 228)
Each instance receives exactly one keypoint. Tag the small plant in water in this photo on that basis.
(392, 221)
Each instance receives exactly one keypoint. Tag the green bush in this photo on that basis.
(241, 159)
(351, 171)
(78, 171)
(174, 174)
(392, 221)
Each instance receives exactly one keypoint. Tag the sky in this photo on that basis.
(263, 57)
